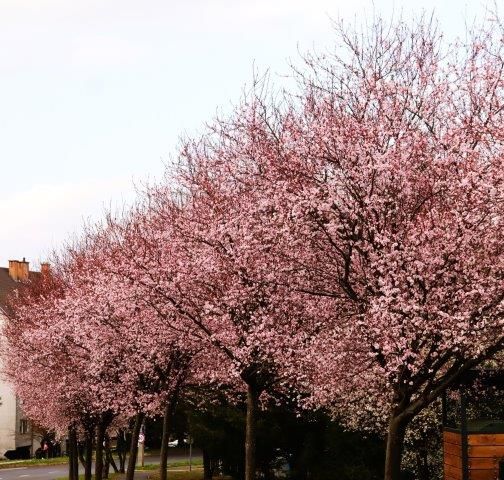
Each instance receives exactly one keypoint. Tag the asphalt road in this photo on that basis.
(51, 472)
(46, 472)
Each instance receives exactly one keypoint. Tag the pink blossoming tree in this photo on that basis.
(388, 187)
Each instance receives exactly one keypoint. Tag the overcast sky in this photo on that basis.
(94, 94)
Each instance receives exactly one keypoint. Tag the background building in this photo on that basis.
(16, 433)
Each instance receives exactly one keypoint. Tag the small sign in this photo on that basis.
(141, 438)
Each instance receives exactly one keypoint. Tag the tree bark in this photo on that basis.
(108, 455)
(73, 455)
(207, 465)
(121, 450)
(82, 457)
(100, 436)
(130, 473)
(167, 421)
(395, 443)
(106, 458)
(88, 461)
(250, 431)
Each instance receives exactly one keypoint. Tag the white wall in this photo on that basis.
(7, 412)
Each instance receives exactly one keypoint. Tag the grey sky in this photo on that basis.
(95, 93)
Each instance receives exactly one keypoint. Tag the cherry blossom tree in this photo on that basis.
(47, 372)
(157, 360)
(187, 254)
(102, 352)
(373, 201)
(387, 185)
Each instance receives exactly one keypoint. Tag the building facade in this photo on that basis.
(17, 438)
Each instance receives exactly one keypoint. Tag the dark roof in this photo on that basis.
(7, 285)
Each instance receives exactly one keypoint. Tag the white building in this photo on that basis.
(16, 433)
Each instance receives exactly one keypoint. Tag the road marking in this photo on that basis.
(26, 475)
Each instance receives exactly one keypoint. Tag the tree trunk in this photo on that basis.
(106, 462)
(167, 420)
(134, 447)
(121, 450)
(109, 456)
(88, 461)
(73, 455)
(82, 458)
(207, 465)
(393, 454)
(100, 436)
(250, 431)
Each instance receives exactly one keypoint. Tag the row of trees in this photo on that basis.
(305, 444)
(340, 245)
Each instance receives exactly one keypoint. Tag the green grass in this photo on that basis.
(196, 475)
(33, 462)
(181, 463)
(181, 476)
(177, 475)
(37, 462)
(112, 476)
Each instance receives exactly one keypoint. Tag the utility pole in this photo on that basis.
(190, 452)
(141, 445)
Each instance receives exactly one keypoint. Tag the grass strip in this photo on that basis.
(33, 462)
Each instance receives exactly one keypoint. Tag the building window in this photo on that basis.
(23, 426)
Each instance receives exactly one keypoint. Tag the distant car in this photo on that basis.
(179, 442)
(20, 453)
